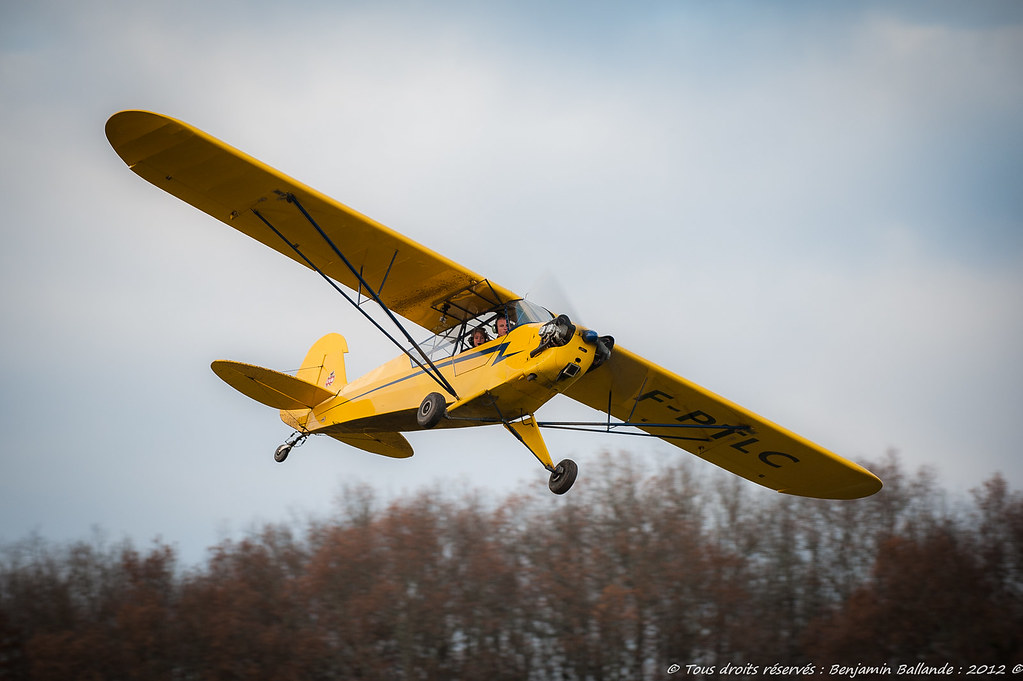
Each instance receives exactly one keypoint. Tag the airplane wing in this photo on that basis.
(412, 280)
(662, 404)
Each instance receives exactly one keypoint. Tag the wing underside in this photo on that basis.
(657, 402)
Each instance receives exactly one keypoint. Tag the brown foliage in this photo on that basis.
(619, 579)
(941, 592)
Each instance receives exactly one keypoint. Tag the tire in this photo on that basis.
(563, 476)
(431, 410)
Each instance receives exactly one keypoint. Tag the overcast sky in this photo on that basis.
(814, 209)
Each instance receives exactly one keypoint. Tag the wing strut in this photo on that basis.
(613, 428)
(608, 427)
(429, 368)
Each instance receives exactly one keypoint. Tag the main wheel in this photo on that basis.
(431, 411)
(563, 476)
(282, 453)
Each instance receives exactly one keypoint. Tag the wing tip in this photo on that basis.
(126, 130)
(866, 484)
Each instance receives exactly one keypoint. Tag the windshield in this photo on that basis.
(477, 330)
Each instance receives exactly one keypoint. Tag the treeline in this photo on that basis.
(635, 570)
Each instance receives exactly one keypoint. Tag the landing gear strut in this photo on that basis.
(296, 439)
(563, 476)
(527, 432)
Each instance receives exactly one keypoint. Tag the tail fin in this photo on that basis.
(324, 364)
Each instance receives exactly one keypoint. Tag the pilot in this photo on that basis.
(479, 336)
(503, 325)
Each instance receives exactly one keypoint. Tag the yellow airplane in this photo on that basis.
(490, 356)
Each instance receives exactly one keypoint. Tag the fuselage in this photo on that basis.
(497, 380)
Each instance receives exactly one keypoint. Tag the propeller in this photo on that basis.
(551, 294)
(548, 292)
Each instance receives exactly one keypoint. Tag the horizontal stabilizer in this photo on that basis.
(393, 445)
(269, 387)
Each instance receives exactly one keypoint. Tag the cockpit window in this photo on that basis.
(483, 328)
(530, 313)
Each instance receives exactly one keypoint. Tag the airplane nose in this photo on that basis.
(555, 334)
(604, 345)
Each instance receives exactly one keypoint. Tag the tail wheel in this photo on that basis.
(296, 439)
(431, 411)
(563, 476)
(282, 453)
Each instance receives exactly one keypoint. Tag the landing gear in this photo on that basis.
(296, 439)
(563, 476)
(431, 411)
(527, 432)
